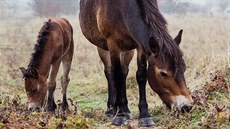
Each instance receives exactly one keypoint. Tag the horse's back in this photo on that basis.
(88, 23)
(100, 21)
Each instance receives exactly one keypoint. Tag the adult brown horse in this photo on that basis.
(117, 27)
(54, 45)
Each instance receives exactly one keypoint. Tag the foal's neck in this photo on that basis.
(44, 67)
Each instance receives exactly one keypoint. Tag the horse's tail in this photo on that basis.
(39, 46)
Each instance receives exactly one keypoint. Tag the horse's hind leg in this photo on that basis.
(66, 63)
(145, 118)
(105, 57)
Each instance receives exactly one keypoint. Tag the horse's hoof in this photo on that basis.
(145, 122)
(120, 120)
(129, 116)
(109, 116)
(109, 113)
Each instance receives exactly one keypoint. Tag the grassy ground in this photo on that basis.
(206, 49)
(211, 110)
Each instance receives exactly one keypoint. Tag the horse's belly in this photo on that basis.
(90, 29)
(95, 38)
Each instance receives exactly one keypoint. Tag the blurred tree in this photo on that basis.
(47, 8)
(2, 7)
(174, 6)
(223, 5)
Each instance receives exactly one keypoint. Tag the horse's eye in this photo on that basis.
(163, 74)
(34, 90)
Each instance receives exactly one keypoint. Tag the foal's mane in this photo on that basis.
(39, 46)
(153, 18)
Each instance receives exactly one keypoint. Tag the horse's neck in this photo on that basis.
(137, 27)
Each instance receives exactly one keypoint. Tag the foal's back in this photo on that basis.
(60, 37)
(62, 30)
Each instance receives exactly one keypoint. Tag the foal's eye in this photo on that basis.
(34, 90)
(163, 74)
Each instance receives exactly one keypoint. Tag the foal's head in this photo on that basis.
(35, 87)
(166, 76)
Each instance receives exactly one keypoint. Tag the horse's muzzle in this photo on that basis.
(182, 103)
(186, 108)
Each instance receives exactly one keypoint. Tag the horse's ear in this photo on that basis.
(33, 73)
(178, 37)
(154, 46)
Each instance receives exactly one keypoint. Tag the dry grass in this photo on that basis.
(205, 43)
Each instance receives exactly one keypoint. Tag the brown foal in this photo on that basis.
(54, 45)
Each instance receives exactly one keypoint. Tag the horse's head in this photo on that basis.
(35, 87)
(166, 77)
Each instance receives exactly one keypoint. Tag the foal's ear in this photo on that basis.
(178, 37)
(154, 46)
(30, 72)
(23, 70)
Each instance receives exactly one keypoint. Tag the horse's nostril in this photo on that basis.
(186, 108)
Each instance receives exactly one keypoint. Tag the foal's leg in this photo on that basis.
(125, 58)
(66, 63)
(50, 104)
(105, 57)
(145, 118)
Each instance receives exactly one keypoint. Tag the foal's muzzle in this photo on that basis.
(34, 107)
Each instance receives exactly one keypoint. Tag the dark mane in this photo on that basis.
(154, 19)
(39, 46)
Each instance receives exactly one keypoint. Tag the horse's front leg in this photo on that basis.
(125, 58)
(119, 81)
(145, 118)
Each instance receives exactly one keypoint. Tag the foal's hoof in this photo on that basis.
(65, 108)
(145, 122)
(120, 120)
(65, 111)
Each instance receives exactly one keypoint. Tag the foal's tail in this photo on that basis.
(70, 26)
(39, 46)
